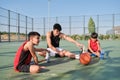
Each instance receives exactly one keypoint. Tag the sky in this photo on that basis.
(39, 8)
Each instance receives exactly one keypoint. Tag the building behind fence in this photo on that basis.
(15, 26)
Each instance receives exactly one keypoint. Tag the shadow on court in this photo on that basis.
(6, 67)
(107, 53)
(23, 76)
(56, 61)
(104, 71)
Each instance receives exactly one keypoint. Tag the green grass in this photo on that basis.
(64, 68)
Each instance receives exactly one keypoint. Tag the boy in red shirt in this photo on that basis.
(94, 46)
(26, 52)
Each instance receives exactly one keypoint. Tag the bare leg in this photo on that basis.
(69, 54)
(36, 68)
(98, 54)
(61, 54)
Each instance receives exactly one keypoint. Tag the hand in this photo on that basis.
(48, 51)
(57, 51)
(80, 45)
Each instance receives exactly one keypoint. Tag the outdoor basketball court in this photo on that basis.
(64, 68)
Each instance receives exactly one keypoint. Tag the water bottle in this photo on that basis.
(102, 55)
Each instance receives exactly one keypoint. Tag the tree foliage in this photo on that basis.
(91, 26)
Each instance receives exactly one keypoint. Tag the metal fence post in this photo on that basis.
(0, 36)
(32, 24)
(26, 28)
(113, 23)
(9, 25)
(84, 25)
(18, 27)
(44, 25)
(98, 24)
(56, 19)
(70, 24)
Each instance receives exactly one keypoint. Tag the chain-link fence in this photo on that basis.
(15, 26)
(104, 24)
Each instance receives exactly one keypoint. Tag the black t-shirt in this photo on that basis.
(54, 40)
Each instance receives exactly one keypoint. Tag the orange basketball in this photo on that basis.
(85, 58)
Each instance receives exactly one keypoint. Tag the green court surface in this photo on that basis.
(65, 68)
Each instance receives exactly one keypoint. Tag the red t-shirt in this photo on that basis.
(22, 57)
(94, 45)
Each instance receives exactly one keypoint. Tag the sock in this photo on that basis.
(47, 57)
(77, 56)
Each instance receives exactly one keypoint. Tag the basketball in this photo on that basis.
(85, 58)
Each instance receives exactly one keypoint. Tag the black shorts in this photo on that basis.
(24, 68)
(89, 51)
(57, 55)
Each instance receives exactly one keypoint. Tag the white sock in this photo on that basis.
(77, 56)
(47, 57)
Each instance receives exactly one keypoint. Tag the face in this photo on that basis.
(56, 32)
(35, 40)
(94, 39)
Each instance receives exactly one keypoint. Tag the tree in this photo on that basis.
(91, 26)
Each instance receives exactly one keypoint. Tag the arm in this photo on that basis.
(40, 49)
(99, 48)
(32, 51)
(49, 42)
(70, 40)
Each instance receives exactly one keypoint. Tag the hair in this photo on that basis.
(94, 35)
(33, 33)
(57, 26)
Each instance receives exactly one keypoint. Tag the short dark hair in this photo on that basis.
(57, 26)
(94, 35)
(33, 33)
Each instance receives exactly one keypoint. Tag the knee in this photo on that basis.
(61, 54)
(64, 51)
(34, 69)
